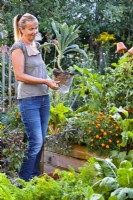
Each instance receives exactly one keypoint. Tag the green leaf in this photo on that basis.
(113, 198)
(126, 164)
(46, 45)
(107, 168)
(78, 69)
(75, 48)
(130, 156)
(123, 193)
(97, 197)
(105, 185)
(125, 177)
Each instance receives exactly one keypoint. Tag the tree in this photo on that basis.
(93, 16)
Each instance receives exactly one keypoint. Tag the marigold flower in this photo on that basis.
(99, 117)
(97, 122)
(104, 133)
(97, 136)
(101, 113)
(89, 131)
(116, 127)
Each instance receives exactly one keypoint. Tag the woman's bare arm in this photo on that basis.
(18, 66)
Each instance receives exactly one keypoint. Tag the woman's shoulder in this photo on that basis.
(17, 45)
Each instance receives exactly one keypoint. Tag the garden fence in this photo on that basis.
(8, 84)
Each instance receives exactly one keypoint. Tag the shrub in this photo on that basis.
(99, 131)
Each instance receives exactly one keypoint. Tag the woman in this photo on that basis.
(33, 95)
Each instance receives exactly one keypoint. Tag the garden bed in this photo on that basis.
(75, 158)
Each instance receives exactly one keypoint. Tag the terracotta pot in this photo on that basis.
(65, 78)
(130, 51)
(121, 48)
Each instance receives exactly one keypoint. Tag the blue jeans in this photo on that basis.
(34, 114)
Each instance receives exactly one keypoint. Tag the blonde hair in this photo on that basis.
(20, 21)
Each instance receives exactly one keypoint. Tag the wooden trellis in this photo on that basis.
(8, 82)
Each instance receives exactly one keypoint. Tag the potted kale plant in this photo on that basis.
(63, 44)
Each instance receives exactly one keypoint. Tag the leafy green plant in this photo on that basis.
(90, 88)
(119, 156)
(107, 182)
(57, 118)
(121, 115)
(12, 118)
(12, 135)
(122, 84)
(65, 36)
(13, 149)
(116, 183)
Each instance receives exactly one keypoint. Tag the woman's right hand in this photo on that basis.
(52, 84)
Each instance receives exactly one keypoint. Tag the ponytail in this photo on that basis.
(17, 33)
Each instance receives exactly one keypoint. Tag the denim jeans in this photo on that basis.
(34, 114)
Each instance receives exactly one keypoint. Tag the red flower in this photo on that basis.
(46, 35)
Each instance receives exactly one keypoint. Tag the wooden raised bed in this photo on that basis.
(76, 158)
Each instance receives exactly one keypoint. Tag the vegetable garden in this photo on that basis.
(97, 112)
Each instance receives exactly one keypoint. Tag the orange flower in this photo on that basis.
(99, 117)
(107, 146)
(89, 131)
(103, 145)
(101, 130)
(116, 135)
(110, 132)
(93, 123)
(116, 127)
(117, 141)
(18, 116)
(97, 136)
(101, 113)
(97, 122)
(91, 140)
(109, 140)
(104, 133)
(100, 138)
(97, 126)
